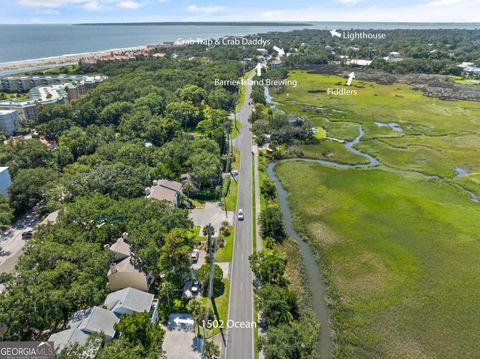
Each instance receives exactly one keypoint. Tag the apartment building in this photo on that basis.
(44, 90)
(9, 121)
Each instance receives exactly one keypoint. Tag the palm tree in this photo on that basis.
(166, 288)
(219, 191)
(208, 229)
(197, 309)
(188, 187)
(211, 350)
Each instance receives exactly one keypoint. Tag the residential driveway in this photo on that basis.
(180, 341)
(212, 213)
(201, 259)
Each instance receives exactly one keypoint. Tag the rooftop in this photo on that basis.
(127, 265)
(129, 298)
(7, 112)
(49, 93)
(121, 249)
(67, 338)
(165, 190)
(46, 94)
(94, 319)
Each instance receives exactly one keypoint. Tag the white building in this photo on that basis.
(45, 90)
(9, 121)
(359, 62)
(5, 180)
(469, 69)
(393, 57)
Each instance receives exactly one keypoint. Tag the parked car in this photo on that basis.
(195, 286)
(27, 234)
(194, 255)
(240, 215)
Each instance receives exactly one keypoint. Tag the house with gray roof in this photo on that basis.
(95, 320)
(81, 325)
(102, 319)
(165, 190)
(131, 300)
(68, 337)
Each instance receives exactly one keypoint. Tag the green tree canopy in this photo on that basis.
(269, 266)
(28, 187)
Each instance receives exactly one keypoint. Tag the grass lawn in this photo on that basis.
(242, 91)
(231, 199)
(225, 254)
(222, 305)
(237, 125)
(403, 256)
(198, 203)
(254, 212)
(222, 302)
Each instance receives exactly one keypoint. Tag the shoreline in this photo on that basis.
(67, 59)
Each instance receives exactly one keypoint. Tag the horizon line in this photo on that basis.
(251, 23)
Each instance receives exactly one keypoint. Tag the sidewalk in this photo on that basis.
(257, 197)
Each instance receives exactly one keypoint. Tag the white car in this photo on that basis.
(240, 215)
(195, 286)
(194, 255)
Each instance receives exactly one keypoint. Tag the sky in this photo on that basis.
(84, 11)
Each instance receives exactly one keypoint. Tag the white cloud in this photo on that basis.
(432, 11)
(92, 6)
(128, 4)
(88, 5)
(49, 3)
(49, 12)
(448, 2)
(349, 2)
(206, 10)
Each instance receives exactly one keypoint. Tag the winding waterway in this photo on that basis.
(313, 273)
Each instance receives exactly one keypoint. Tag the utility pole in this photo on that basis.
(210, 252)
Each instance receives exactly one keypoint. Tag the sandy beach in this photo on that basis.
(58, 60)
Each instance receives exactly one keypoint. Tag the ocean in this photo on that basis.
(25, 42)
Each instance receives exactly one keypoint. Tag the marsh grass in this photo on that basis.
(402, 253)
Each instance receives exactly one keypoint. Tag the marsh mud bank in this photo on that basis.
(439, 86)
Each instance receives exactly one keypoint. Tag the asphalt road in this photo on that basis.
(12, 243)
(240, 340)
